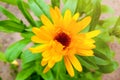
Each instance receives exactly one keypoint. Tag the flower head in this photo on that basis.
(61, 39)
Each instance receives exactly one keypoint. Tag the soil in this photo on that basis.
(8, 38)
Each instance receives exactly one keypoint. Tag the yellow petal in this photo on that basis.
(51, 63)
(82, 24)
(46, 22)
(76, 16)
(75, 62)
(55, 14)
(86, 46)
(85, 43)
(39, 49)
(67, 17)
(42, 33)
(36, 39)
(93, 33)
(36, 31)
(57, 11)
(58, 58)
(46, 69)
(68, 66)
(85, 53)
(46, 54)
(44, 62)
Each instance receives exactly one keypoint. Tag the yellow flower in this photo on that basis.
(61, 39)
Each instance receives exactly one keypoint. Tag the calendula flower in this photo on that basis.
(61, 39)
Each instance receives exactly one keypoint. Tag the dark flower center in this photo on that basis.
(63, 38)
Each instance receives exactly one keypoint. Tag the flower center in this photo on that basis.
(63, 38)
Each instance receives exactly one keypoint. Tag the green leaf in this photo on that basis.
(28, 36)
(2, 57)
(102, 50)
(8, 14)
(100, 61)
(92, 76)
(95, 15)
(64, 1)
(59, 70)
(118, 22)
(107, 9)
(47, 76)
(27, 57)
(55, 3)
(35, 8)
(10, 25)
(13, 2)
(25, 12)
(87, 64)
(25, 73)
(84, 6)
(14, 51)
(70, 4)
(39, 7)
(116, 29)
(109, 68)
(28, 65)
(44, 7)
(109, 22)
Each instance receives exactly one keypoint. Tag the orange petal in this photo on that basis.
(75, 62)
(68, 66)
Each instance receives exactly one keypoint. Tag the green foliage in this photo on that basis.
(70, 4)
(35, 8)
(84, 6)
(25, 73)
(39, 7)
(13, 2)
(25, 12)
(107, 9)
(11, 26)
(88, 64)
(93, 66)
(8, 14)
(55, 3)
(2, 57)
(115, 31)
(39, 69)
(28, 58)
(14, 51)
(95, 14)
(112, 66)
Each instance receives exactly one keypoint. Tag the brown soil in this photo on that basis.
(7, 39)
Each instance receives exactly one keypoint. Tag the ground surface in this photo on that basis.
(7, 39)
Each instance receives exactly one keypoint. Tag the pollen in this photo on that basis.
(63, 38)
